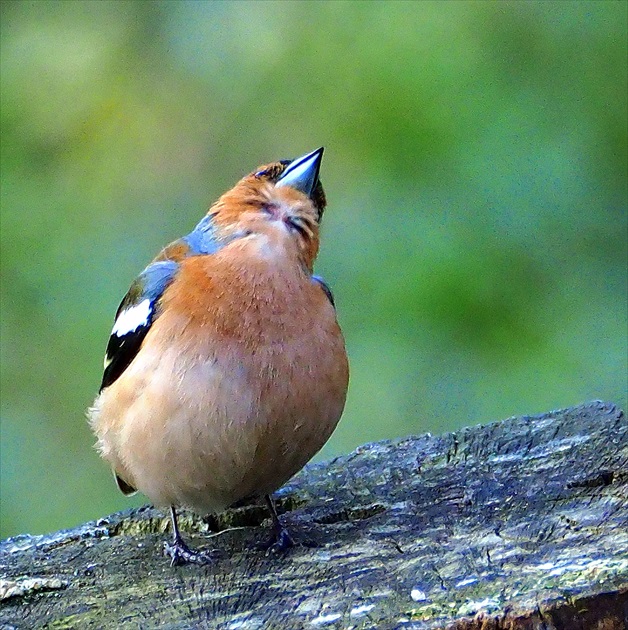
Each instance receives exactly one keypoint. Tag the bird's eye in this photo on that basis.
(296, 225)
(270, 209)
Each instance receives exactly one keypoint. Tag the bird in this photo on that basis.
(226, 369)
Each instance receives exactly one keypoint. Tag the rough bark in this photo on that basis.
(517, 524)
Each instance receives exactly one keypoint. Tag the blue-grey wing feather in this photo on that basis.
(202, 239)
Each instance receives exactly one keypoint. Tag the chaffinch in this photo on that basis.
(226, 369)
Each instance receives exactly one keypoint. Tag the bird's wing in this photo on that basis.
(135, 315)
(140, 306)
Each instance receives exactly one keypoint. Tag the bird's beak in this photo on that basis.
(302, 173)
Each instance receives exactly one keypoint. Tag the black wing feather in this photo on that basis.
(122, 348)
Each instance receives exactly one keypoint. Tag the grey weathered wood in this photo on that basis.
(517, 524)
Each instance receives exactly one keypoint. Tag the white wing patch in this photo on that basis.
(132, 318)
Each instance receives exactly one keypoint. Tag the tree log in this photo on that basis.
(517, 524)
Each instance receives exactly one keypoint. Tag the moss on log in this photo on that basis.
(516, 524)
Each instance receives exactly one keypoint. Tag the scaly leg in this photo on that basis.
(178, 551)
(281, 539)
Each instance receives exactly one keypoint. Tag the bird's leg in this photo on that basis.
(281, 539)
(178, 551)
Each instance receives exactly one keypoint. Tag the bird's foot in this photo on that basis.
(279, 542)
(180, 554)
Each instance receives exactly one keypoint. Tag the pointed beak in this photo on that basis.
(302, 173)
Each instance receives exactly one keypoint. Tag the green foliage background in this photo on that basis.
(476, 169)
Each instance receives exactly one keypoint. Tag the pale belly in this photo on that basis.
(208, 425)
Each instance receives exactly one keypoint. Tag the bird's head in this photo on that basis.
(283, 201)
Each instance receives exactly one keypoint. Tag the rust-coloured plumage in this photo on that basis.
(240, 373)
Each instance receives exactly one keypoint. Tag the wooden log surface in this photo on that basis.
(516, 524)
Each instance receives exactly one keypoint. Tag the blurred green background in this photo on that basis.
(476, 170)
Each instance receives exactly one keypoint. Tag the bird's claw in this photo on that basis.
(281, 541)
(180, 554)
